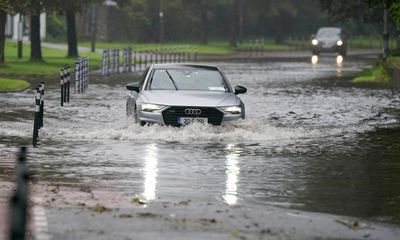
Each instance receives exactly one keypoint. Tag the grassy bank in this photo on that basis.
(54, 59)
(7, 84)
(379, 73)
(216, 47)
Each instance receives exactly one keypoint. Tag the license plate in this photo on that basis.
(187, 120)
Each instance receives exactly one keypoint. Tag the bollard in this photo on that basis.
(117, 60)
(103, 63)
(36, 119)
(195, 54)
(145, 59)
(163, 56)
(187, 53)
(62, 87)
(64, 70)
(124, 60)
(112, 60)
(87, 72)
(108, 62)
(134, 60)
(130, 59)
(19, 200)
(151, 57)
(77, 74)
(41, 109)
(81, 75)
(175, 55)
(85, 75)
(180, 53)
(68, 82)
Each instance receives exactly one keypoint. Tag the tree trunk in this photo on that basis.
(71, 35)
(3, 17)
(36, 45)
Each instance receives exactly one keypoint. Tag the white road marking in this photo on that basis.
(40, 226)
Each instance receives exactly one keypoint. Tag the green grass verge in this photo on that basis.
(380, 73)
(7, 84)
(54, 59)
(215, 47)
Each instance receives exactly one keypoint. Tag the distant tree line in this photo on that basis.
(202, 20)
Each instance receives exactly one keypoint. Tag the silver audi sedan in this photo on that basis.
(181, 94)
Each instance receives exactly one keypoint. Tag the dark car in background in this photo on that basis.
(329, 40)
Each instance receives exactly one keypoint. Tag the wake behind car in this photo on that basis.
(329, 40)
(181, 94)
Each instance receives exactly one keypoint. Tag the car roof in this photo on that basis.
(330, 29)
(184, 66)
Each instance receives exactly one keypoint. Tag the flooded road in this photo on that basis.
(310, 141)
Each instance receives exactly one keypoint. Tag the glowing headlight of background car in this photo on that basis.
(149, 107)
(339, 43)
(232, 109)
(314, 42)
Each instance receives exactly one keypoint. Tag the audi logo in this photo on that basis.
(192, 111)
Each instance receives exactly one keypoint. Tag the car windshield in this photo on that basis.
(188, 79)
(328, 32)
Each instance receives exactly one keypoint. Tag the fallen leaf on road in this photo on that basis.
(148, 215)
(355, 225)
(99, 208)
(185, 202)
(138, 201)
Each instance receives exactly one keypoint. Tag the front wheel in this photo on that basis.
(131, 112)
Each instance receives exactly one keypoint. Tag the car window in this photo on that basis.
(188, 79)
(161, 81)
(328, 32)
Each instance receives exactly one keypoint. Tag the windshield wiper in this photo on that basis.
(172, 80)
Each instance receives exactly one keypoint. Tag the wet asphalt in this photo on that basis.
(316, 156)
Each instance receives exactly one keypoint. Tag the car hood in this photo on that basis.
(190, 98)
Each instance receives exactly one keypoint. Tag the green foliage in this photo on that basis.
(395, 12)
(56, 28)
(380, 73)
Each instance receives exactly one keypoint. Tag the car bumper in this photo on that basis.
(332, 49)
(215, 117)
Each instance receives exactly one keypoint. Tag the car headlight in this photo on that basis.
(149, 107)
(232, 109)
(339, 43)
(314, 42)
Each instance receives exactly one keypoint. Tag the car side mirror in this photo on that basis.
(313, 36)
(133, 87)
(240, 90)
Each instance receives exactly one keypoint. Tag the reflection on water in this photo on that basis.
(339, 60)
(232, 174)
(314, 59)
(150, 171)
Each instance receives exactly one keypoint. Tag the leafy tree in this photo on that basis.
(69, 8)
(6, 6)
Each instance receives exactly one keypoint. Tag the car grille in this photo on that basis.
(171, 114)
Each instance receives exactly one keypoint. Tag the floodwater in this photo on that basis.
(310, 141)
